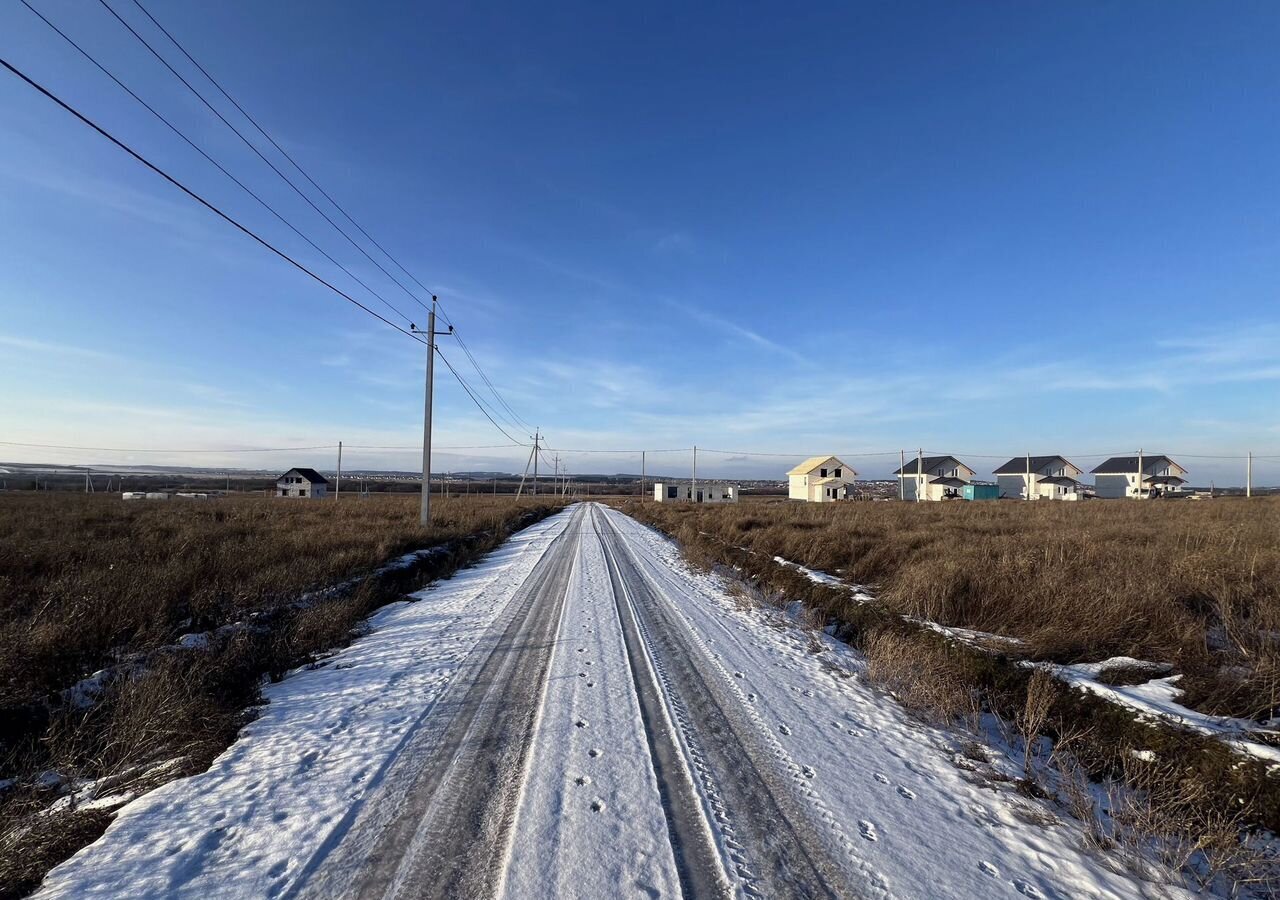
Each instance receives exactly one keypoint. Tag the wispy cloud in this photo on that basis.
(733, 329)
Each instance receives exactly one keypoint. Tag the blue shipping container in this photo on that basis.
(982, 492)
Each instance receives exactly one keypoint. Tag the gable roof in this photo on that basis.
(1018, 465)
(912, 468)
(1127, 465)
(310, 474)
(814, 462)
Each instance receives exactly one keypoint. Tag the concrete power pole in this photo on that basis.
(1028, 474)
(1139, 493)
(337, 481)
(536, 437)
(902, 475)
(1248, 475)
(693, 491)
(642, 476)
(425, 515)
(919, 472)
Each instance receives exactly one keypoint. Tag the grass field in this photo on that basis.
(91, 583)
(1193, 584)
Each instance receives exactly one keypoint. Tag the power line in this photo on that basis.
(254, 148)
(476, 400)
(283, 152)
(218, 165)
(153, 450)
(514, 418)
(194, 196)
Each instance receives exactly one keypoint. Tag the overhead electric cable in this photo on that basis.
(338, 206)
(217, 164)
(474, 399)
(154, 450)
(248, 143)
(514, 418)
(194, 196)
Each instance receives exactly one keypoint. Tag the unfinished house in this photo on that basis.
(710, 492)
(302, 483)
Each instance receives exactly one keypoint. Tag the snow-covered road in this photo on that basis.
(584, 716)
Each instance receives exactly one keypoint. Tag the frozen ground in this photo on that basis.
(581, 715)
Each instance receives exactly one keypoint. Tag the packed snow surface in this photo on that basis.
(893, 803)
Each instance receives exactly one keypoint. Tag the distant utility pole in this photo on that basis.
(1139, 493)
(536, 437)
(902, 475)
(1028, 475)
(337, 481)
(642, 475)
(1248, 475)
(693, 492)
(425, 516)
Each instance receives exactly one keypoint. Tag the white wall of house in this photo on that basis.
(297, 486)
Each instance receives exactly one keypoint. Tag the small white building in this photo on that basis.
(1139, 477)
(820, 479)
(708, 492)
(934, 478)
(302, 483)
(1040, 477)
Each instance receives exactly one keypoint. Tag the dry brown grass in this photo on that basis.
(92, 582)
(1194, 584)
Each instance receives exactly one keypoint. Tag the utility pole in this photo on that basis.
(902, 475)
(1139, 494)
(425, 515)
(536, 437)
(1028, 474)
(919, 471)
(693, 493)
(642, 477)
(1248, 476)
(337, 481)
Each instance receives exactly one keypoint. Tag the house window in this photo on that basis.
(837, 473)
(822, 473)
(671, 493)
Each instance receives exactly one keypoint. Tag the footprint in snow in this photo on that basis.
(868, 831)
(906, 793)
(808, 771)
(595, 752)
(882, 778)
(1027, 889)
(581, 723)
(737, 674)
(597, 805)
(784, 729)
(582, 780)
(988, 869)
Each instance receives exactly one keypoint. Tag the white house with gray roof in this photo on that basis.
(1040, 478)
(1139, 477)
(934, 478)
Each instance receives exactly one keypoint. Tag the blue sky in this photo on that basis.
(980, 229)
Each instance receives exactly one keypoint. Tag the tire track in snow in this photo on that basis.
(440, 828)
(692, 842)
(775, 849)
